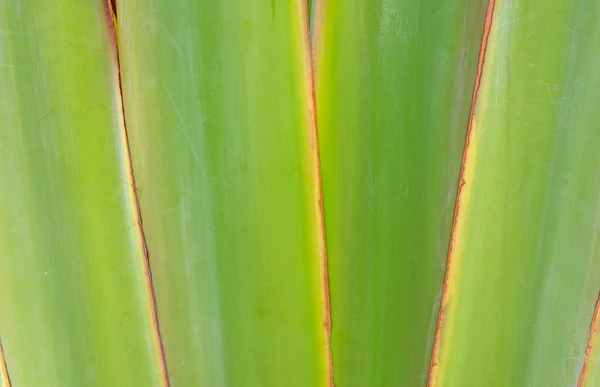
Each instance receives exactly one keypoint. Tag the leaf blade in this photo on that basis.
(72, 306)
(218, 106)
(394, 85)
(526, 246)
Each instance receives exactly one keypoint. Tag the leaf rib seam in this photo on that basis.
(433, 365)
(111, 13)
(319, 186)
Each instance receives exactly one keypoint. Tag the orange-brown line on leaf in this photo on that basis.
(318, 182)
(111, 19)
(588, 347)
(447, 277)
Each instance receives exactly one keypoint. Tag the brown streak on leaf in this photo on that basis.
(447, 277)
(589, 346)
(319, 185)
(111, 19)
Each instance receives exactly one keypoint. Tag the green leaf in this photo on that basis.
(394, 87)
(441, 274)
(218, 102)
(73, 305)
(524, 273)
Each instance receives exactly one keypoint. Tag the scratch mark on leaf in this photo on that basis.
(9, 66)
(170, 37)
(183, 126)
